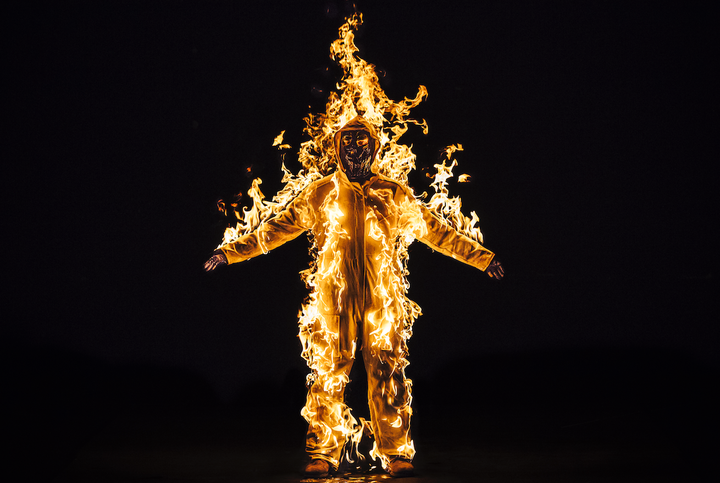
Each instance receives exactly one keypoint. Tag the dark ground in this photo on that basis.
(597, 415)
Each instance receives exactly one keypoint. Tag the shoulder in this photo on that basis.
(322, 182)
(318, 188)
(321, 185)
(381, 181)
(316, 185)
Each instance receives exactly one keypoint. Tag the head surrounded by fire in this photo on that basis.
(356, 146)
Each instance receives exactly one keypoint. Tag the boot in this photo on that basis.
(317, 468)
(400, 467)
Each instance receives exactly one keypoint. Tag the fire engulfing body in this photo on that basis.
(352, 199)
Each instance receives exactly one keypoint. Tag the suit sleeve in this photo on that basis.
(283, 227)
(448, 241)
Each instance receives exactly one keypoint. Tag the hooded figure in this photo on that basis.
(359, 220)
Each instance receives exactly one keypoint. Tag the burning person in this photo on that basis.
(360, 221)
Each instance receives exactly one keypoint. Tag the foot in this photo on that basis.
(400, 467)
(317, 468)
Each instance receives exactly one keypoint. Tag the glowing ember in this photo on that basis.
(360, 231)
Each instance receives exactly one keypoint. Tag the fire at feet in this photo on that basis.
(351, 196)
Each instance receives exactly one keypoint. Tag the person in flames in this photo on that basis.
(359, 220)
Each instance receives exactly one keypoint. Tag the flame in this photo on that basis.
(278, 141)
(449, 209)
(358, 92)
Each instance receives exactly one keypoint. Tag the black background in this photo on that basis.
(587, 128)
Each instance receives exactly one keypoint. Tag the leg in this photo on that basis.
(389, 399)
(329, 419)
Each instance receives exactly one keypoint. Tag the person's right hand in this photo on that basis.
(495, 270)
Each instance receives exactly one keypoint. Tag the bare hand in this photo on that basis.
(495, 270)
(218, 259)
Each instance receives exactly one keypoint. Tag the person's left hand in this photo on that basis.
(495, 270)
(218, 259)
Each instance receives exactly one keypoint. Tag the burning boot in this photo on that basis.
(317, 468)
(400, 467)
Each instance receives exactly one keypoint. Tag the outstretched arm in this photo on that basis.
(448, 241)
(283, 227)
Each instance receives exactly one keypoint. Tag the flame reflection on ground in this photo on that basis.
(353, 479)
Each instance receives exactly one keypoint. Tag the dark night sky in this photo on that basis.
(586, 127)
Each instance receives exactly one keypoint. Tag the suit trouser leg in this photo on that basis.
(329, 419)
(389, 400)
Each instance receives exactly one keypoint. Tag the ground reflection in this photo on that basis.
(350, 479)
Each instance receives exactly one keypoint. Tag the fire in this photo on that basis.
(390, 321)
(278, 141)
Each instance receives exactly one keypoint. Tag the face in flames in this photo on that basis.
(356, 151)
